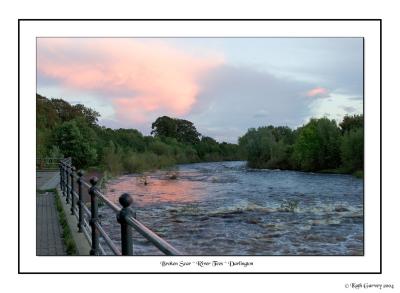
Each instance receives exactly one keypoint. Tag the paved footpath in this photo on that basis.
(48, 229)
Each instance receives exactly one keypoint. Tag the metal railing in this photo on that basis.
(88, 220)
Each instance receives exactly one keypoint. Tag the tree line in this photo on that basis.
(319, 145)
(73, 130)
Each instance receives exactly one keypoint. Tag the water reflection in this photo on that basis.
(154, 189)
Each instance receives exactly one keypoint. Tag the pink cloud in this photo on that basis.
(318, 92)
(141, 77)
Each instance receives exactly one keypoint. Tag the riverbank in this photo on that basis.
(358, 174)
(342, 171)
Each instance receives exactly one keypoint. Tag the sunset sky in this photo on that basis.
(223, 85)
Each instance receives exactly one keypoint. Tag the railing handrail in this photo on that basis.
(124, 214)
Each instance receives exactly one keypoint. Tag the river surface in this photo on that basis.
(225, 208)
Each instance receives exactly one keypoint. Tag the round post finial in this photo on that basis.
(94, 180)
(125, 200)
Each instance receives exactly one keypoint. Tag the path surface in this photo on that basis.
(47, 180)
(48, 229)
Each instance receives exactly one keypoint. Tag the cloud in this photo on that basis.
(333, 63)
(132, 81)
(349, 109)
(236, 98)
(141, 78)
(318, 92)
(261, 114)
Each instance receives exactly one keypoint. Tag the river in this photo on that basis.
(225, 208)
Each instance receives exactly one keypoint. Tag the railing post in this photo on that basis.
(67, 182)
(80, 201)
(126, 231)
(72, 191)
(94, 217)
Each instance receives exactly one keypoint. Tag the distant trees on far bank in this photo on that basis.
(63, 129)
(72, 130)
(319, 145)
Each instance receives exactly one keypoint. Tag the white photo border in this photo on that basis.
(369, 29)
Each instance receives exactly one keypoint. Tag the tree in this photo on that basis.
(352, 150)
(75, 139)
(317, 146)
(268, 147)
(352, 122)
(186, 131)
(46, 115)
(164, 126)
(183, 130)
(63, 109)
(91, 116)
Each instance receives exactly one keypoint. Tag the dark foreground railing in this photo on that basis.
(92, 229)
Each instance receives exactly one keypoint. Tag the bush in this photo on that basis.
(160, 148)
(112, 159)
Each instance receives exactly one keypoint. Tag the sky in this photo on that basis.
(223, 85)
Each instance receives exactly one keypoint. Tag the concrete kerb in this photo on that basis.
(82, 245)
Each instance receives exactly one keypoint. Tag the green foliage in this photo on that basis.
(130, 139)
(112, 159)
(160, 148)
(43, 142)
(47, 116)
(64, 129)
(140, 162)
(76, 139)
(317, 145)
(352, 150)
(51, 112)
(55, 152)
(359, 174)
(66, 231)
(183, 130)
(352, 122)
(352, 145)
(268, 147)
(72, 130)
(229, 151)
(320, 145)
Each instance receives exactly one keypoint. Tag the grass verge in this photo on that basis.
(66, 232)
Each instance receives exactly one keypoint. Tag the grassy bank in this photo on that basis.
(119, 164)
(357, 174)
(66, 232)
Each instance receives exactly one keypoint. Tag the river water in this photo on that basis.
(225, 208)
